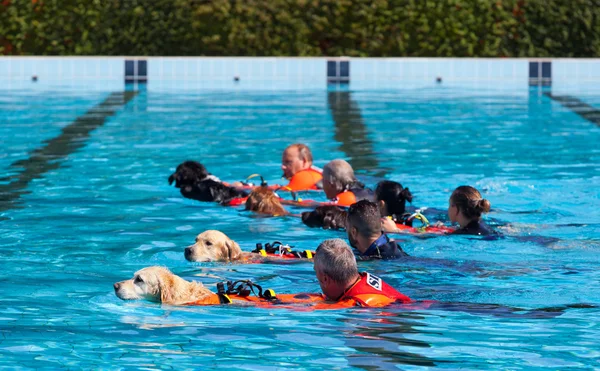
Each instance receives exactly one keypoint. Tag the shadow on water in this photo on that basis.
(590, 113)
(383, 344)
(384, 341)
(351, 132)
(49, 157)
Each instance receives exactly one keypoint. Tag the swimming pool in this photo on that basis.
(85, 203)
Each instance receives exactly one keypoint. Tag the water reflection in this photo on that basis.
(384, 341)
(352, 133)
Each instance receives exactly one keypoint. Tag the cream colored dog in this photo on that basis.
(214, 246)
(160, 285)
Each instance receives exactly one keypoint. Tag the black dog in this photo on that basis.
(195, 182)
(327, 217)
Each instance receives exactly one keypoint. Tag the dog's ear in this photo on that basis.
(233, 250)
(171, 178)
(166, 285)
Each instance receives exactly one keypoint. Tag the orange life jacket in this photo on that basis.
(352, 196)
(307, 179)
(369, 291)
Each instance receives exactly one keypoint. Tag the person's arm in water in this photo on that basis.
(388, 225)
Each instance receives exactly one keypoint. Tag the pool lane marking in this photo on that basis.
(352, 133)
(48, 157)
(590, 113)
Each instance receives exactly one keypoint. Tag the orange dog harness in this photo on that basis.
(369, 291)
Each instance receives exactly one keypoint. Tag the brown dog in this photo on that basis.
(264, 200)
(215, 246)
(158, 284)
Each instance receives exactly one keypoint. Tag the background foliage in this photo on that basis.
(424, 28)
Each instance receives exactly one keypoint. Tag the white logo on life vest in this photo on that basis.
(374, 282)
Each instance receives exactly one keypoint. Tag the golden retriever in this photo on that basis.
(264, 200)
(215, 246)
(158, 284)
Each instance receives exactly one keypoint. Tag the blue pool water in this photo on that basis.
(91, 209)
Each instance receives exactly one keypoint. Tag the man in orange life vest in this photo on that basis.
(340, 281)
(365, 235)
(341, 186)
(297, 166)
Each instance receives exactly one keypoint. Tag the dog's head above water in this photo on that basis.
(188, 173)
(327, 217)
(158, 284)
(213, 246)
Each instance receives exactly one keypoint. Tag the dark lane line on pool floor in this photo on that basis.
(352, 133)
(48, 157)
(576, 105)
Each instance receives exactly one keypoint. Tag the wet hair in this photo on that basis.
(264, 200)
(365, 217)
(341, 175)
(326, 216)
(393, 195)
(304, 153)
(335, 258)
(468, 200)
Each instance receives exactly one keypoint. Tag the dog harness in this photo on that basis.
(405, 224)
(367, 291)
(279, 250)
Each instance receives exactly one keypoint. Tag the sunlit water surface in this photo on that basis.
(105, 210)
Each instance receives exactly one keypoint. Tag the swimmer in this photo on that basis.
(297, 166)
(340, 281)
(341, 186)
(465, 208)
(391, 198)
(365, 235)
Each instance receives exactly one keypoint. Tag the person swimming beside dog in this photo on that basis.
(341, 186)
(365, 233)
(335, 268)
(297, 166)
(391, 198)
(298, 169)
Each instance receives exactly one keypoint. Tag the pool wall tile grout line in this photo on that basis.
(48, 157)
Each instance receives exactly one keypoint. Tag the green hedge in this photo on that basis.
(375, 28)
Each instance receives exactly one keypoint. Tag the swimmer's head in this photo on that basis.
(295, 158)
(391, 198)
(338, 176)
(467, 201)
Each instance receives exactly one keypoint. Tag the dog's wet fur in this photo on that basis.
(195, 182)
(326, 217)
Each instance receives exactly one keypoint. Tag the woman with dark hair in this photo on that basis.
(391, 198)
(465, 208)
